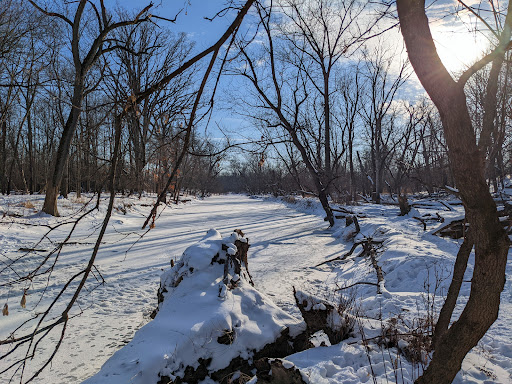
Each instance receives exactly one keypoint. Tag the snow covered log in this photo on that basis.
(211, 322)
(277, 371)
(455, 229)
(323, 318)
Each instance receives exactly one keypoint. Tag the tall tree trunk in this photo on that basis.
(351, 167)
(378, 161)
(64, 185)
(52, 188)
(427, 178)
(327, 133)
(491, 241)
(30, 139)
(3, 158)
(15, 146)
(78, 176)
(22, 174)
(488, 136)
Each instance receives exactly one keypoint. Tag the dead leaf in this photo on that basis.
(5, 311)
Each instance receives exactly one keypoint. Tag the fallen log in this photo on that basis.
(342, 210)
(363, 253)
(428, 217)
(24, 249)
(370, 251)
(378, 269)
(355, 284)
(354, 246)
(422, 221)
(349, 220)
(458, 228)
(426, 205)
(455, 229)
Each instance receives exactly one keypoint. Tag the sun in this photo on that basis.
(458, 51)
(458, 48)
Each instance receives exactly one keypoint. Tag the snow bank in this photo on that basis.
(208, 316)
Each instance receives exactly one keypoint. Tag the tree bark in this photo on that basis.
(64, 185)
(30, 139)
(3, 158)
(15, 158)
(52, 188)
(327, 127)
(351, 167)
(443, 322)
(491, 241)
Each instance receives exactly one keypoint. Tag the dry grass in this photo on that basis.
(27, 204)
(290, 199)
(79, 200)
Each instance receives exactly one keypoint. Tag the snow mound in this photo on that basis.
(209, 315)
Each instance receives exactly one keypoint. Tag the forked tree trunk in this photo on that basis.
(491, 241)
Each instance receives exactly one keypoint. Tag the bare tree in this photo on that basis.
(84, 55)
(320, 35)
(491, 87)
(351, 90)
(408, 144)
(12, 66)
(490, 241)
(150, 54)
(379, 111)
(303, 48)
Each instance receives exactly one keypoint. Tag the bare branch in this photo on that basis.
(52, 14)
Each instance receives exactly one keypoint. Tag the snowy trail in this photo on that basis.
(281, 238)
(285, 245)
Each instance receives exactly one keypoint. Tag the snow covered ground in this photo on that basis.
(288, 241)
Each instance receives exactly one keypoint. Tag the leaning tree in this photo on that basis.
(467, 158)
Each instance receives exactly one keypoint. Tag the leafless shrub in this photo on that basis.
(348, 311)
(412, 337)
(290, 199)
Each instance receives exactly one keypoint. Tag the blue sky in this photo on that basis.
(455, 44)
(202, 32)
(190, 20)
